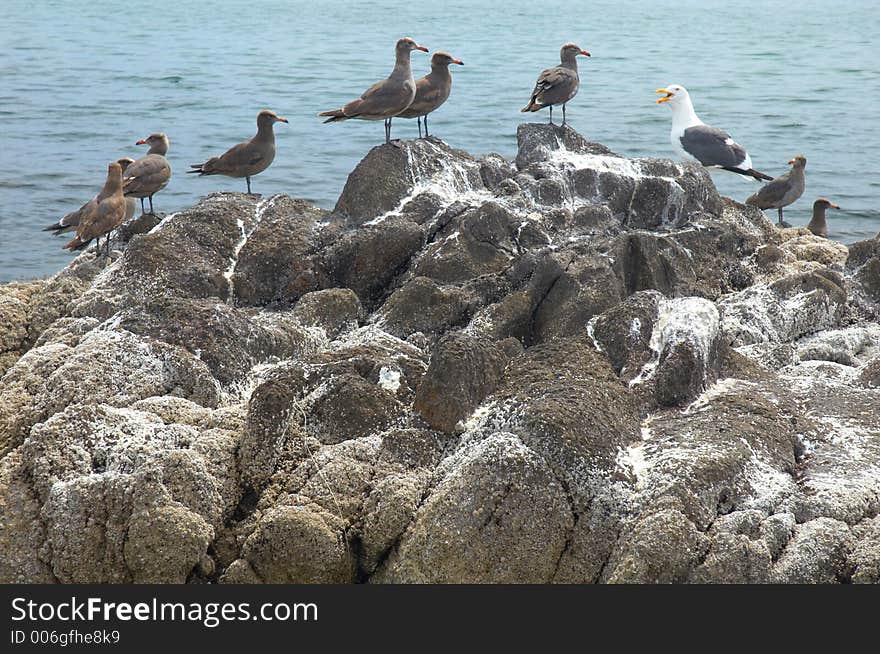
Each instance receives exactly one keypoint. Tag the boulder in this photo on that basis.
(189, 256)
(368, 260)
(784, 310)
(277, 262)
(624, 332)
(229, 341)
(497, 516)
(689, 349)
(463, 371)
(423, 305)
(538, 142)
(389, 173)
(335, 310)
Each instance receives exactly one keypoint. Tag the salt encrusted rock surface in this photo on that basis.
(574, 367)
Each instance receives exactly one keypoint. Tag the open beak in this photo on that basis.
(422, 48)
(141, 142)
(665, 98)
(458, 61)
(585, 53)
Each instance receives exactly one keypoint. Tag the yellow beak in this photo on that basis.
(666, 98)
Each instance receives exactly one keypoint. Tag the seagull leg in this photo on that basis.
(426, 125)
(152, 213)
(551, 114)
(387, 131)
(248, 180)
(782, 222)
(143, 211)
(419, 118)
(563, 113)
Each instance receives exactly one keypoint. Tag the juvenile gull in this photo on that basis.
(818, 225)
(149, 174)
(432, 90)
(692, 139)
(245, 159)
(783, 190)
(70, 221)
(107, 216)
(559, 84)
(387, 98)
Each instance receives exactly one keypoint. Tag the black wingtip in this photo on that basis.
(751, 172)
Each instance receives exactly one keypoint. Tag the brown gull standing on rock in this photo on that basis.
(783, 190)
(149, 174)
(387, 98)
(71, 220)
(107, 216)
(559, 84)
(432, 90)
(246, 159)
(818, 225)
(694, 140)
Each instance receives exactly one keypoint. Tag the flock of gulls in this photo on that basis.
(402, 96)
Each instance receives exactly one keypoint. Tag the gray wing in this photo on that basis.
(712, 146)
(386, 98)
(73, 218)
(147, 175)
(428, 98)
(239, 158)
(771, 194)
(555, 85)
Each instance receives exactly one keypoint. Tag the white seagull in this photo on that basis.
(694, 140)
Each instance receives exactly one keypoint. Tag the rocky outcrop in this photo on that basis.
(574, 367)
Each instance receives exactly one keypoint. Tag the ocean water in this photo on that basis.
(81, 82)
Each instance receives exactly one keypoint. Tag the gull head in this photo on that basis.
(675, 94)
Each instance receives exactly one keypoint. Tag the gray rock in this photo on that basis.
(690, 348)
(188, 257)
(782, 311)
(335, 310)
(229, 341)
(662, 548)
(817, 554)
(460, 375)
(463, 371)
(481, 241)
(277, 262)
(537, 142)
(387, 175)
(422, 305)
(369, 259)
(624, 332)
(498, 515)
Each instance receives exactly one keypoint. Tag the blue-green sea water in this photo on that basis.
(81, 82)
